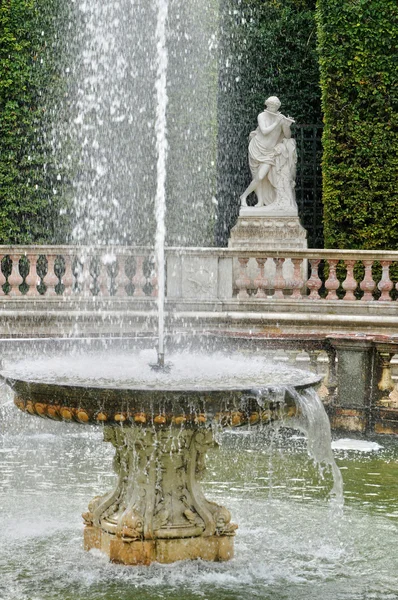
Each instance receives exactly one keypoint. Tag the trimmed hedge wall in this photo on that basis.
(358, 61)
(268, 47)
(29, 184)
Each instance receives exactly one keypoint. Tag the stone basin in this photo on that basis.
(199, 388)
(162, 424)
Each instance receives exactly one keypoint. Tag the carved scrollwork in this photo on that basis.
(130, 526)
(88, 516)
(224, 526)
(158, 494)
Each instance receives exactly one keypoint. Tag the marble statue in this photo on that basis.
(272, 161)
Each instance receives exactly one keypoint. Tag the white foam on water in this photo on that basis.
(357, 445)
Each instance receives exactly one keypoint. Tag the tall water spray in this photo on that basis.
(122, 82)
(161, 148)
(107, 129)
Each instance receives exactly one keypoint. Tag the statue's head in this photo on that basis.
(272, 103)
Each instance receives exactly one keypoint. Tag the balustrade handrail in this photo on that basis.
(45, 249)
(321, 253)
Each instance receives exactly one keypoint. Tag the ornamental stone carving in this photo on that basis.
(157, 495)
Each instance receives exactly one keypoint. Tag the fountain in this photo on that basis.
(161, 424)
(160, 420)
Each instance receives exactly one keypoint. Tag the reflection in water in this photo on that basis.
(291, 545)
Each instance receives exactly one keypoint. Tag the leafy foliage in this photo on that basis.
(29, 183)
(268, 48)
(358, 62)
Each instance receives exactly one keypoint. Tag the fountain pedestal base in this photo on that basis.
(157, 512)
(213, 548)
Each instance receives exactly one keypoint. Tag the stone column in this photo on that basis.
(386, 411)
(356, 382)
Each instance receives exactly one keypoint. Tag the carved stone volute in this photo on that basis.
(158, 495)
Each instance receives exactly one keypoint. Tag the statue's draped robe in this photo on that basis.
(277, 187)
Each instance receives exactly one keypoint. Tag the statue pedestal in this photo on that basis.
(263, 229)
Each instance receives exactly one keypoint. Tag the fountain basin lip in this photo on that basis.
(21, 382)
(95, 405)
(149, 407)
(91, 387)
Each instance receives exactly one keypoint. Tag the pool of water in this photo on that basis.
(292, 542)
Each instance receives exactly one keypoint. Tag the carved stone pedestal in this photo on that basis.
(259, 229)
(158, 511)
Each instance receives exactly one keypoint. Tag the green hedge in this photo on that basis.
(30, 188)
(358, 61)
(268, 47)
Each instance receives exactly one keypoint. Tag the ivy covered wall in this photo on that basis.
(30, 197)
(358, 62)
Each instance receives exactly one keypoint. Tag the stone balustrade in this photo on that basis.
(72, 291)
(50, 271)
(200, 273)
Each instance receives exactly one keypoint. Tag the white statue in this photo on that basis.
(272, 161)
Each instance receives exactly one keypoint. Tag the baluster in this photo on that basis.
(86, 277)
(313, 354)
(3, 279)
(280, 283)
(385, 285)
(15, 279)
(68, 278)
(314, 283)
(261, 283)
(50, 279)
(386, 383)
(139, 279)
(292, 355)
(368, 284)
(103, 279)
(32, 279)
(331, 374)
(349, 283)
(122, 280)
(297, 282)
(243, 281)
(332, 284)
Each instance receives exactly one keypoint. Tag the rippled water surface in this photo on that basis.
(291, 543)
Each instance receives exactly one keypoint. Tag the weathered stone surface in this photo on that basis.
(256, 231)
(349, 420)
(212, 548)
